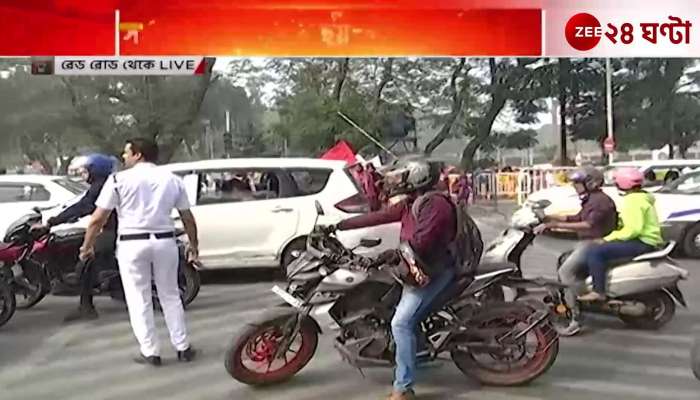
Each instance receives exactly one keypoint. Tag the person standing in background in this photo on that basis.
(464, 189)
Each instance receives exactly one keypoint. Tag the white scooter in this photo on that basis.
(642, 292)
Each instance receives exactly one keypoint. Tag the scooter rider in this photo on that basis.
(95, 169)
(597, 218)
(427, 231)
(639, 232)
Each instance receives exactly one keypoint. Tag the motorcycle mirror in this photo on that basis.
(541, 204)
(319, 208)
(369, 243)
(539, 213)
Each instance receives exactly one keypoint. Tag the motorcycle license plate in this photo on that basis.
(288, 298)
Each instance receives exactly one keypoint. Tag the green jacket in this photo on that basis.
(639, 220)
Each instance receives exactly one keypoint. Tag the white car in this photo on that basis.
(565, 201)
(257, 211)
(678, 206)
(20, 193)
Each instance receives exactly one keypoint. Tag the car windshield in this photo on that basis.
(73, 186)
(686, 184)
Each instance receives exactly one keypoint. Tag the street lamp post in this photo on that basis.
(608, 100)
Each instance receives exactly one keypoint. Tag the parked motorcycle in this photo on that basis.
(8, 257)
(16, 268)
(54, 256)
(642, 291)
(331, 287)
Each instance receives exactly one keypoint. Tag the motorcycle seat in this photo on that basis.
(485, 268)
(657, 254)
(69, 232)
(454, 289)
(654, 255)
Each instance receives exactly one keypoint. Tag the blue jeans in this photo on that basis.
(415, 303)
(599, 255)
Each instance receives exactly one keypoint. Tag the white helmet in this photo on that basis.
(76, 165)
(411, 176)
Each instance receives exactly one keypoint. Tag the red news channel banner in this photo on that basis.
(350, 28)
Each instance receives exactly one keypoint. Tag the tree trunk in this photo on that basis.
(168, 149)
(386, 78)
(457, 100)
(343, 67)
(683, 150)
(603, 154)
(564, 81)
(671, 130)
(483, 130)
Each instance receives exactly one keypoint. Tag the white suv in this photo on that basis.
(257, 211)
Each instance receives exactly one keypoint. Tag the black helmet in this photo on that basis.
(591, 178)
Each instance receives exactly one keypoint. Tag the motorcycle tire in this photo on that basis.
(7, 303)
(246, 343)
(189, 282)
(664, 308)
(27, 298)
(510, 314)
(695, 358)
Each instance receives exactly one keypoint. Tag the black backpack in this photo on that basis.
(468, 246)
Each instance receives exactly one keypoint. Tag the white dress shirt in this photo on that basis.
(144, 197)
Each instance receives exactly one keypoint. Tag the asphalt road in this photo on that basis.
(43, 359)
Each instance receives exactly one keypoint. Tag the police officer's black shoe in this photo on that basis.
(186, 355)
(83, 313)
(150, 360)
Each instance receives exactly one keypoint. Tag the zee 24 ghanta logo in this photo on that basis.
(583, 32)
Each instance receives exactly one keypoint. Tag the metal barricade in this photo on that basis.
(517, 185)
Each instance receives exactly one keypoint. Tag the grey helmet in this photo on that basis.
(591, 178)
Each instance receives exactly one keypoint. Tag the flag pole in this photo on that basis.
(370, 137)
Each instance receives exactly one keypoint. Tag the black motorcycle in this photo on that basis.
(330, 286)
(53, 267)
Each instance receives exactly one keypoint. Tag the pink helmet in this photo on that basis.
(628, 178)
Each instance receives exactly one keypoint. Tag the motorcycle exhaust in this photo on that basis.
(634, 309)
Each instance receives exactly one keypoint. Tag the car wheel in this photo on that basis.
(691, 241)
(291, 252)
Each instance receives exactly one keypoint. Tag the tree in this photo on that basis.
(245, 116)
(519, 140)
(652, 103)
(654, 89)
(162, 108)
(564, 87)
(587, 107)
(522, 83)
(36, 122)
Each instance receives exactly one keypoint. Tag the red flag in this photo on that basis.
(342, 152)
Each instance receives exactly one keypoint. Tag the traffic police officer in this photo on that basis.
(144, 197)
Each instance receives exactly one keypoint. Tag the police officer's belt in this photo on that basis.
(144, 236)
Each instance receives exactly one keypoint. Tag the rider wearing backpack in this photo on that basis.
(429, 224)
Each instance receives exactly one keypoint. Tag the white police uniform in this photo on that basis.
(144, 197)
